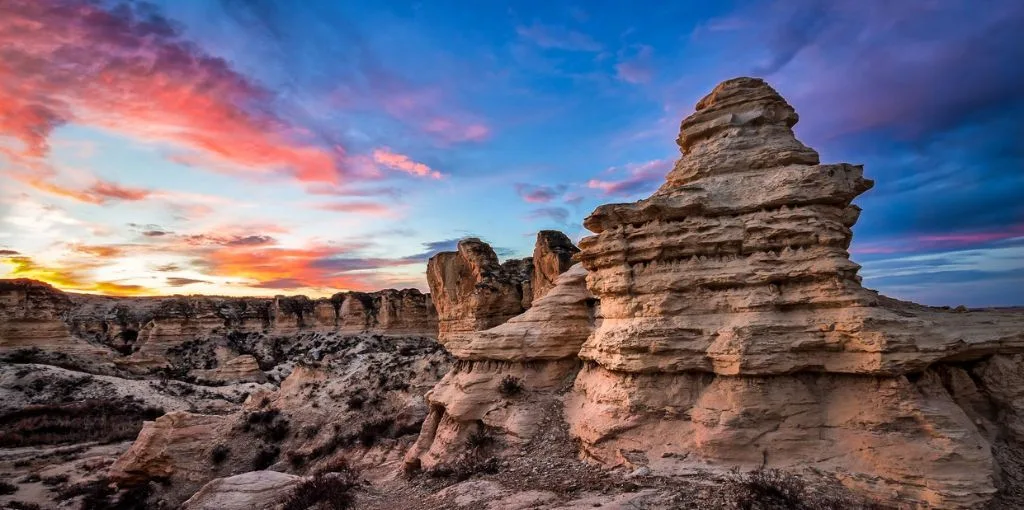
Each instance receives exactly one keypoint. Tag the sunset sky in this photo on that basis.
(251, 147)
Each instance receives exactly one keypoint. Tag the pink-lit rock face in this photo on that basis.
(735, 330)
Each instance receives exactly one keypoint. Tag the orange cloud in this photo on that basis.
(401, 162)
(70, 61)
(368, 208)
(68, 278)
(99, 193)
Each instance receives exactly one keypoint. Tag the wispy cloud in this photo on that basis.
(639, 178)
(539, 194)
(557, 37)
(395, 161)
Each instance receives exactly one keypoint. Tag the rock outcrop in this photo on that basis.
(736, 332)
(552, 256)
(247, 491)
(508, 376)
(472, 291)
(145, 335)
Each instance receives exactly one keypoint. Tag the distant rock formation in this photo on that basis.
(736, 332)
(552, 256)
(147, 334)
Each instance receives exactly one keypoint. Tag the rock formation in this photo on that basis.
(736, 332)
(552, 256)
(508, 375)
(247, 491)
(144, 335)
(472, 291)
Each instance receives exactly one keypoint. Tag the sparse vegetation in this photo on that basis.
(51, 481)
(94, 420)
(510, 386)
(268, 425)
(100, 494)
(265, 457)
(7, 488)
(326, 490)
(22, 505)
(772, 489)
(219, 454)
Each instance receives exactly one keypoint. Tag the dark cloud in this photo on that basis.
(557, 214)
(235, 240)
(155, 233)
(253, 240)
(8, 253)
(280, 283)
(181, 282)
(539, 194)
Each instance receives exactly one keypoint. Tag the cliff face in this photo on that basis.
(145, 334)
(736, 331)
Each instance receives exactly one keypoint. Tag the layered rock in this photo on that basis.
(736, 332)
(552, 256)
(255, 489)
(472, 291)
(508, 376)
(147, 334)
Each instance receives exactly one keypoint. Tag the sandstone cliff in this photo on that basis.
(506, 376)
(736, 331)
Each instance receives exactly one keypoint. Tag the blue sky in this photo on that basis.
(262, 147)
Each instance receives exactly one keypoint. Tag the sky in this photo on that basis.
(259, 147)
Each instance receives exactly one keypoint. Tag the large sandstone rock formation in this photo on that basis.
(736, 332)
(507, 376)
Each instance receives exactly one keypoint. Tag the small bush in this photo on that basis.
(100, 495)
(219, 454)
(268, 425)
(356, 402)
(265, 457)
(771, 489)
(51, 481)
(371, 431)
(330, 490)
(466, 467)
(510, 386)
(7, 488)
(479, 440)
(21, 505)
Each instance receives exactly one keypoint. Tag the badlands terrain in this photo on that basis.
(710, 346)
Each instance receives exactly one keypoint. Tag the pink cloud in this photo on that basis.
(367, 208)
(384, 156)
(926, 242)
(640, 178)
(536, 194)
(71, 61)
